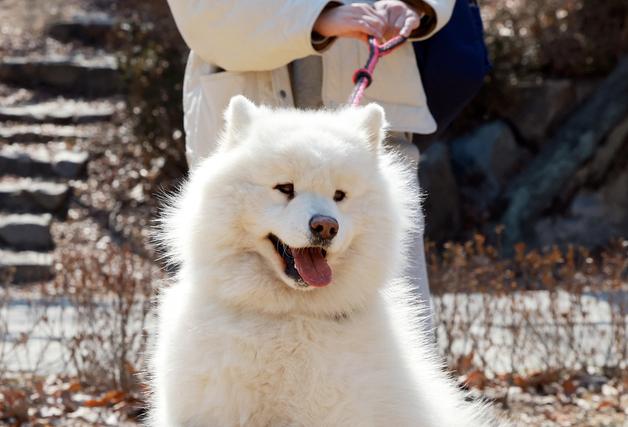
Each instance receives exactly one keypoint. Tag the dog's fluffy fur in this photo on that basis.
(240, 341)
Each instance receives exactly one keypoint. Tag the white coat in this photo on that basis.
(243, 47)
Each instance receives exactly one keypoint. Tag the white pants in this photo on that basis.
(417, 267)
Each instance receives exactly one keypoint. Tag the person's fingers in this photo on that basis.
(362, 26)
(371, 16)
(399, 22)
(358, 21)
(375, 32)
(412, 22)
(377, 25)
(375, 14)
(396, 20)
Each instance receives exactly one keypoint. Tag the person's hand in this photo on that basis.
(400, 18)
(356, 20)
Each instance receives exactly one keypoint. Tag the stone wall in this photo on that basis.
(552, 167)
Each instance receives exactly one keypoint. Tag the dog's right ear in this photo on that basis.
(239, 115)
(373, 119)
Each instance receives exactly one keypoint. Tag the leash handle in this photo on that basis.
(363, 77)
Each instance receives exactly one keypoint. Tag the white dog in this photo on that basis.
(284, 311)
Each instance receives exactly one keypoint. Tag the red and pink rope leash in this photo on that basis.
(363, 77)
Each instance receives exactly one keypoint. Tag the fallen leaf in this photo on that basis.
(536, 379)
(569, 386)
(475, 379)
(108, 399)
(606, 404)
(465, 363)
(73, 386)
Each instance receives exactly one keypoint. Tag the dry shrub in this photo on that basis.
(110, 292)
(574, 38)
(152, 57)
(540, 310)
(529, 41)
(90, 323)
(522, 321)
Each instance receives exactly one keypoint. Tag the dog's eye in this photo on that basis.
(287, 189)
(339, 195)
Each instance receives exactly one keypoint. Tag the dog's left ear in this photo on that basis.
(239, 115)
(373, 120)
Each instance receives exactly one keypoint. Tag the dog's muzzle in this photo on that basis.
(307, 266)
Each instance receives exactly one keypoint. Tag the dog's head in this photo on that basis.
(297, 211)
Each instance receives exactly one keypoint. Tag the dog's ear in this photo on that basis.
(239, 115)
(373, 119)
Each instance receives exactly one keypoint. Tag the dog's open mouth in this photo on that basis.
(306, 266)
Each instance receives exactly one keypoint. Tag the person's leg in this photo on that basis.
(417, 268)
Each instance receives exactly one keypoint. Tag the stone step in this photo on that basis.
(90, 29)
(67, 74)
(27, 161)
(45, 132)
(60, 111)
(25, 266)
(26, 231)
(25, 195)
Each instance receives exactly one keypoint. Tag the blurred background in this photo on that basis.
(526, 208)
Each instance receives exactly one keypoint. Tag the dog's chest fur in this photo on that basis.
(240, 369)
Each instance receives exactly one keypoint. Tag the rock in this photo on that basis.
(26, 161)
(69, 164)
(442, 204)
(593, 218)
(608, 153)
(583, 224)
(584, 88)
(31, 196)
(58, 112)
(92, 29)
(541, 105)
(26, 231)
(76, 75)
(615, 195)
(27, 266)
(483, 161)
(575, 142)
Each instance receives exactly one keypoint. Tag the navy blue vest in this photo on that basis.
(453, 63)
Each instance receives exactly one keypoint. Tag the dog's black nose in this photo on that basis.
(324, 227)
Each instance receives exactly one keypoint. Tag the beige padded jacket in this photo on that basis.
(244, 46)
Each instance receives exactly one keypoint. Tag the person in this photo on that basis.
(290, 53)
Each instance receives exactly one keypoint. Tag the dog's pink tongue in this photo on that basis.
(312, 266)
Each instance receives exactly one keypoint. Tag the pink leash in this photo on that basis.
(363, 77)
